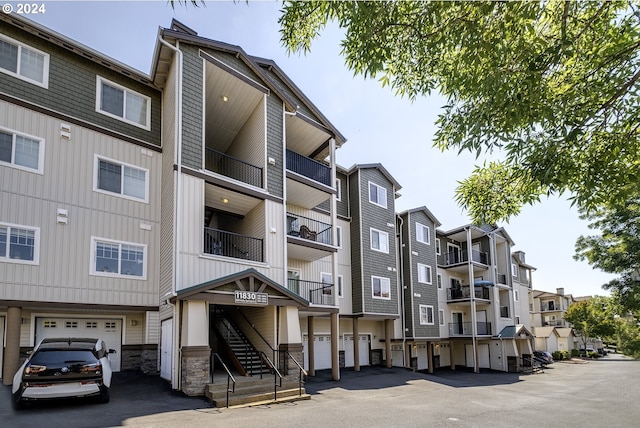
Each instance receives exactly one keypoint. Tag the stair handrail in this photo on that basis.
(301, 371)
(276, 375)
(230, 377)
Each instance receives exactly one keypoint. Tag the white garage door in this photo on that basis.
(109, 330)
(363, 346)
(484, 361)
(322, 351)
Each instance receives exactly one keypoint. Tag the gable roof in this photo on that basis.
(377, 166)
(544, 331)
(425, 210)
(513, 331)
(564, 331)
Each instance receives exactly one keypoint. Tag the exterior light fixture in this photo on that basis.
(224, 200)
(225, 98)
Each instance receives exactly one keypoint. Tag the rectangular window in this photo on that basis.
(21, 151)
(424, 273)
(338, 190)
(117, 101)
(426, 315)
(24, 62)
(381, 288)
(121, 179)
(19, 244)
(114, 258)
(423, 233)
(441, 316)
(439, 276)
(516, 295)
(379, 241)
(377, 195)
(514, 270)
(340, 286)
(327, 282)
(338, 236)
(438, 251)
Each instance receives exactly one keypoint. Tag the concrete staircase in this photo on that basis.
(253, 391)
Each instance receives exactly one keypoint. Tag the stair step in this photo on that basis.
(244, 400)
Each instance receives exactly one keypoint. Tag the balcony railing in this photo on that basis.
(549, 307)
(309, 168)
(464, 328)
(229, 244)
(231, 167)
(459, 256)
(502, 279)
(553, 323)
(463, 293)
(309, 229)
(318, 293)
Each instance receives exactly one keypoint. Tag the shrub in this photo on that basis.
(575, 353)
(593, 354)
(557, 355)
(565, 355)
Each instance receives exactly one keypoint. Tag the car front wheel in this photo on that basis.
(104, 394)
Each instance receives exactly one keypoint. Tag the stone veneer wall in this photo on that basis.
(140, 357)
(287, 365)
(195, 364)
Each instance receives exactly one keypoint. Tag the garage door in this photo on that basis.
(109, 330)
(363, 346)
(322, 351)
(484, 361)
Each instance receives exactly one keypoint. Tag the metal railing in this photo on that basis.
(464, 328)
(301, 371)
(464, 292)
(502, 278)
(309, 168)
(230, 379)
(549, 307)
(250, 356)
(318, 293)
(309, 229)
(229, 166)
(460, 256)
(229, 244)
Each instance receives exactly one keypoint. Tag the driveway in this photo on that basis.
(593, 394)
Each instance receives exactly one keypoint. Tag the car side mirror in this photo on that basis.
(112, 351)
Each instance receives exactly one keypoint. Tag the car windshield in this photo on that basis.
(53, 357)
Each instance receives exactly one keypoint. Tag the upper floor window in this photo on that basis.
(438, 250)
(340, 286)
(122, 179)
(514, 270)
(423, 234)
(516, 295)
(381, 288)
(338, 189)
(115, 258)
(441, 316)
(424, 273)
(338, 236)
(439, 276)
(426, 315)
(117, 101)
(327, 282)
(21, 151)
(377, 195)
(24, 62)
(19, 244)
(379, 241)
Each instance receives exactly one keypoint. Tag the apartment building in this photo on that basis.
(80, 198)
(547, 311)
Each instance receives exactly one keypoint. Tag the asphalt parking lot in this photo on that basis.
(594, 394)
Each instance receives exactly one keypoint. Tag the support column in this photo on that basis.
(430, 357)
(195, 353)
(311, 347)
(388, 331)
(289, 335)
(335, 360)
(12, 347)
(451, 354)
(356, 346)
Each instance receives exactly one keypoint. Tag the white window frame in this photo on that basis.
(420, 230)
(340, 286)
(514, 270)
(424, 316)
(45, 66)
(516, 296)
(438, 248)
(339, 236)
(96, 167)
(383, 282)
(424, 274)
(14, 135)
(439, 279)
(338, 189)
(36, 244)
(101, 80)
(326, 278)
(380, 233)
(441, 317)
(92, 260)
(379, 188)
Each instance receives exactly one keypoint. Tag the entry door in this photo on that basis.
(293, 281)
(166, 348)
(1, 344)
(453, 254)
(483, 356)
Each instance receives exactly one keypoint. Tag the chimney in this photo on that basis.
(560, 291)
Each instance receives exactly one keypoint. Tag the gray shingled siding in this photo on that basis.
(356, 251)
(72, 88)
(376, 263)
(192, 107)
(291, 96)
(343, 204)
(406, 269)
(428, 292)
(275, 140)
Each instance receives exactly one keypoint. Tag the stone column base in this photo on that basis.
(287, 365)
(195, 369)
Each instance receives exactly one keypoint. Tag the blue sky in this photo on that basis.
(379, 126)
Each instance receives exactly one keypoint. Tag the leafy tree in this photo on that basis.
(593, 318)
(552, 85)
(616, 249)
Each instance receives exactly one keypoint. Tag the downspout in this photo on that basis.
(401, 274)
(177, 218)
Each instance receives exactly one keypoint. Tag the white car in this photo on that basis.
(63, 368)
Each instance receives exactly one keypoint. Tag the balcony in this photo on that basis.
(231, 167)
(549, 307)
(502, 279)
(308, 239)
(309, 168)
(456, 257)
(229, 244)
(464, 328)
(553, 323)
(317, 293)
(464, 293)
